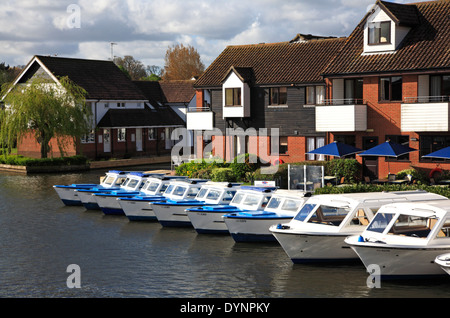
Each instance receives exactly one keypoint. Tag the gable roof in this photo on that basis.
(425, 47)
(143, 117)
(400, 13)
(101, 79)
(163, 92)
(274, 63)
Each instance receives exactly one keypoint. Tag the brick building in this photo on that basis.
(126, 120)
(391, 81)
(262, 86)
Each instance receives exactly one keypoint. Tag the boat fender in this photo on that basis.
(432, 172)
(361, 239)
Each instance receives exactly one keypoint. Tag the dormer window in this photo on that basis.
(379, 32)
(232, 96)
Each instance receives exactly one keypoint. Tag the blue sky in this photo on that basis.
(146, 28)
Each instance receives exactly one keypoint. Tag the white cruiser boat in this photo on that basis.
(69, 195)
(208, 219)
(404, 239)
(253, 226)
(172, 212)
(136, 208)
(444, 262)
(107, 201)
(317, 232)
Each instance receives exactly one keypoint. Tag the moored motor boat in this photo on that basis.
(317, 232)
(208, 219)
(107, 200)
(156, 188)
(172, 212)
(253, 226)
(69, 196)
(404, 239)
(444, 262)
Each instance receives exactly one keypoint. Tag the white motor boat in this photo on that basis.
(208, 219)
(156, 188)
(107, 201)
(69, 196)
(253, 226)
(444, 262)
(317, 232)
(172, 212)
(404, 239)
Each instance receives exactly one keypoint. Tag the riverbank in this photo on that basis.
(92, 165)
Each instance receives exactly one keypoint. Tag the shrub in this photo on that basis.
(20, 160)
(223, 175)
(417, 175)
(350, 169)
(188, 169)
(243, 164)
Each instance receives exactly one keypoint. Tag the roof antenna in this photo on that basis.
(112, 50)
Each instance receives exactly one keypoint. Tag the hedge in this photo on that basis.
(19, 160)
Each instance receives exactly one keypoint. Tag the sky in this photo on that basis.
(145, 29)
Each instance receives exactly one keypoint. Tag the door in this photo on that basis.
(106, 140)
(370, 164)
(138, 139)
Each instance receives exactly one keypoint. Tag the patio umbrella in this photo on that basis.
(443, 153)
(336, 149)
(388, 149)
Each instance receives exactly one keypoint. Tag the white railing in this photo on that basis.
(199, 109)
(341, 101)
(426, 99)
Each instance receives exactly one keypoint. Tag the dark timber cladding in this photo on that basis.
(286, 64)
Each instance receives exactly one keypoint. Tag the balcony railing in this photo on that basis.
(341, 101)
(426, 99)
(195, 109)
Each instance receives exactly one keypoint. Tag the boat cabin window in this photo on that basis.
(252, 200)
(380, 222)
(445, 230)
(228, 195)
(192, 192)
(238, 198)
(153, 186)
(329, 215)
(201, 194)
(411, 225)
(274, 203)
(108, 180)
(132, 183)
(265, 201)
(291, 205)
(360, 218)
(169, 189)
(179, 191)
(120, 181)
(213, 195)
(304, 212)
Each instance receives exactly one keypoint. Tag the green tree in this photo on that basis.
(47, 109)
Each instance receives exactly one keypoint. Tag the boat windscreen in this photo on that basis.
(380, 222)
(305, 211)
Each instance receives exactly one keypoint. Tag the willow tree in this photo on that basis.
(47, 110)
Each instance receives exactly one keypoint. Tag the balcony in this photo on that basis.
(199, 118)
(334, 115)
(425, 114)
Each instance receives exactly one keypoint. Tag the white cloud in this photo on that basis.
(146, 28)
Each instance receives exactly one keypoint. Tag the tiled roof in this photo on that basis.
(274, 63)
(143, 117)
(101, 79)
(425, 47)
(168, 91)
(404, 14)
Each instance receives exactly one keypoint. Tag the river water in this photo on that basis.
(40, 238)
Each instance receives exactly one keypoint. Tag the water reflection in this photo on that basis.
(40, 237)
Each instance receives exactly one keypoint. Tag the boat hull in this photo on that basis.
(252, 229)
(208, 222)
(88, 200)
(444, 262)
(138, 210)
(401, 262)
(306, 248)
(69, 195)
(109, 204)
(172, 215)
